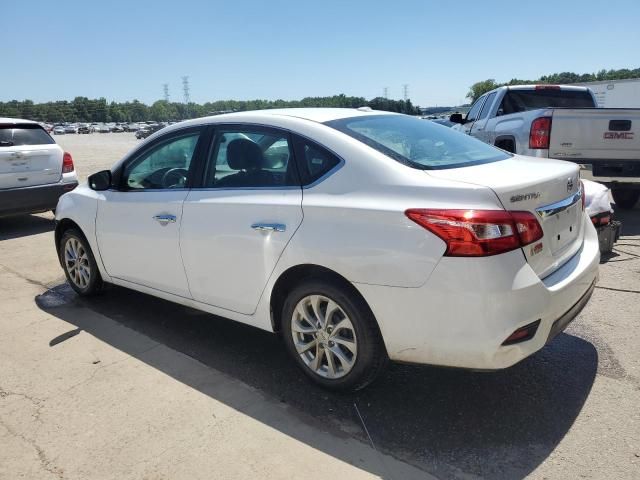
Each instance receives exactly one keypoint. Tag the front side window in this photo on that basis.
(475, 110)
(164, 166)
(418, 143)
(249, 158)
(487, 106)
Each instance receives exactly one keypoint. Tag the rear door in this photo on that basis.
(238, 223)
(28, 156)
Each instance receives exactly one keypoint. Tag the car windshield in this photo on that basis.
(14, 135)
(418, 143)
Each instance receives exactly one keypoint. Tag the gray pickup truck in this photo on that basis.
(562, 122)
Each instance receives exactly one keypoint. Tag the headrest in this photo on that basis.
(243, 154)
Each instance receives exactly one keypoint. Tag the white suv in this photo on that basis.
(34, 170)
(358, 235)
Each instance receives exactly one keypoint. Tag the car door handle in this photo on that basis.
(165, 219)
(269, 227)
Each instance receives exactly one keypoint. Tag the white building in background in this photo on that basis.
(616, 93)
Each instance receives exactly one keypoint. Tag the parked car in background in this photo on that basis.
(132, 127)
(117, 129)
(358, 235)
(59, 130)
(34, 170)
(71, 129)
(562, 122)
(148, 130)
(85, 129)
(104, 129)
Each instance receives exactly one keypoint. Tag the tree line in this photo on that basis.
(83, 109)
(478, 89)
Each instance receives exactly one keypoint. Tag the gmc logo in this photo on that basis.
(618, 135)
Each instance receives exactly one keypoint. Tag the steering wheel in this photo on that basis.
(174, 177)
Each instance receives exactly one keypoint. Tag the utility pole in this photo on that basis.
(385, 91)
(405, 91)
(185, 90)
(165, 88)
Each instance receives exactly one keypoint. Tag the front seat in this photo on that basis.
(246, 157)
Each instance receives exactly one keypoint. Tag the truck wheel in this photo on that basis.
(625, 198)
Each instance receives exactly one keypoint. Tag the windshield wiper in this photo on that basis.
(6, 143)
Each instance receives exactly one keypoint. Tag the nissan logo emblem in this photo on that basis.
(569, 184)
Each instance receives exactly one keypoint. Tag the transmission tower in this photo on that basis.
(405, 91)
(185, 89)
(165, 88)
(385, 91)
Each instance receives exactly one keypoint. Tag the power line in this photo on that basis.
(186, 89)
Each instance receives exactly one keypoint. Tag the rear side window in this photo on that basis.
(16, 135)
(314, 161)
(523, 100)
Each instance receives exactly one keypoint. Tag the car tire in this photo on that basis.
(78, 263)
(348, 344)
(625, 198)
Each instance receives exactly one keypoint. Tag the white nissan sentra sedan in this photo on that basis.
(359, 236)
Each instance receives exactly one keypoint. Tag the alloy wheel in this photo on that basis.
(324, 336)
(76, 262)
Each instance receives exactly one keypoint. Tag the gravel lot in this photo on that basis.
(129, 386)
(97, 151)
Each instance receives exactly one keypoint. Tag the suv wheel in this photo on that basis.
(332, 335)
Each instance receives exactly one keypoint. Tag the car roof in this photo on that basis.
(319, 115)
(6, 120)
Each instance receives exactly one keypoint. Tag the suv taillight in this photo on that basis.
(540, 133)
(479, 233)
(67, 163)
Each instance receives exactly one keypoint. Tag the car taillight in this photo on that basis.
(479, 233)
(67, 163)
(540, 133)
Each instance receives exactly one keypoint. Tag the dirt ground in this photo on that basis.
(129, 386)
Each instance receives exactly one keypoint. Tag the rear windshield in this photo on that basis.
(418, 143)
(14, 135)
(522, 100)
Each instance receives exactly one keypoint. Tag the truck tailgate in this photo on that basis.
(595, 134)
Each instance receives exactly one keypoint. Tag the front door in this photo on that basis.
(236, 226)
(138, 224)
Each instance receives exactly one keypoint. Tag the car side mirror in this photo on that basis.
(456, 118)
(100, 181)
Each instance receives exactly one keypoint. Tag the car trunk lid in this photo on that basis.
(549, 189)
(28, 156)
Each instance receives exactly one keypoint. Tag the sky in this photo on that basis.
(248, 49)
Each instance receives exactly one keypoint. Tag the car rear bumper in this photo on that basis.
(469, 306)
(34, 199)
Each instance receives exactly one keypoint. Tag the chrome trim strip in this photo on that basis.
(557, 207)
(269, 227)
